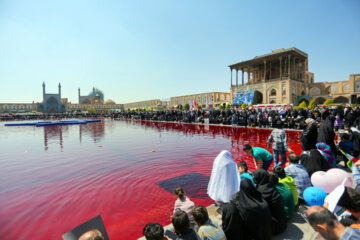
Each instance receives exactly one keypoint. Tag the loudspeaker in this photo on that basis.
(353, 99)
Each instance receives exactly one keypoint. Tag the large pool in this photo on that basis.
(54, 178)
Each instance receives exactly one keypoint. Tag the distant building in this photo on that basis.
(17, 107)
(341, 91)
(149, 104)
(211, 98)
(51, 102)
(95, 100)
(282, 76)
(94, 97)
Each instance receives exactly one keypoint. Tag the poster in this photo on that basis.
(244, 96)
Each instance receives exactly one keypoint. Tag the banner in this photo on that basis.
(244, 96)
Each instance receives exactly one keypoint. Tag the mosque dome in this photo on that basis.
(97, 93)
(109, 102)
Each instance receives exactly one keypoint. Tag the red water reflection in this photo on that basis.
(65, 178)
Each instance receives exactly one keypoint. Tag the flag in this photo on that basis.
(146, 108)
(195, 105)
(347, 105)
(207, 104)
(351, 159)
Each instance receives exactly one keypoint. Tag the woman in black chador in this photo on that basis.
(247, 216)
(273, 198)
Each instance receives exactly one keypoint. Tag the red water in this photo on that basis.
(52, 179)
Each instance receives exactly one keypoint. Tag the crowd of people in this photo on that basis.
(258, 205)
(256, 117)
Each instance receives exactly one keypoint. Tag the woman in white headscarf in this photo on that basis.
(225, 179)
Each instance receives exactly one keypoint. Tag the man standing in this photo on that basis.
(309, 136)
(280, 144)
(262, 157)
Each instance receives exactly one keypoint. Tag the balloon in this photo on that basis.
(329, 180)
(314, 196)
(336, 176)
(318, 179)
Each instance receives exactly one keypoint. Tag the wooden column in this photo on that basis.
(280, 70)
(293, 70)
(230, 77)
(242, 81)
(289, 66)
(264, 70)
(237, 70)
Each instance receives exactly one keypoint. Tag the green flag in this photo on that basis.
(146, 108)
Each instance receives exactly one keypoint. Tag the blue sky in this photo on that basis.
(141, 50)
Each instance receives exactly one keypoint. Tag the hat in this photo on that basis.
(309, 121)
(333, 198)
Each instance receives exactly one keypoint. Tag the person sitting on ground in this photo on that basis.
(154, 231)
(244, 171)
(288, 182)
(313, 161)
(248, 215)
(273, 198)
(225, 179)
(356, 175)
(262, 157)
(184, 203)
(181, 224)
(309, 136)
(325, 223)
(298, 173)
(289, 203)
(327, 153)
(208, 229)
(280, 144)
(349, 199)
(93, 234)
(345, 144)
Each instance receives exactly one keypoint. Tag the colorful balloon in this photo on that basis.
(329, 180)
(314, 196)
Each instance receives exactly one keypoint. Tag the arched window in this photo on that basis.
(273, 92)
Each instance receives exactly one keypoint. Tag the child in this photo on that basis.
(184, 203)
(244, 171)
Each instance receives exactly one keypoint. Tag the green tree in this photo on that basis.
(243, 106)
(312, 104)
(186, 106)
(227, 107)
(91, 110)
(303, 105)
(328, 102)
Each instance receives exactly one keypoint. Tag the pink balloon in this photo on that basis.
(331, 179)
(318, 179)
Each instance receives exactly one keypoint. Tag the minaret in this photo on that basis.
(44, 100)
(79, 95)
(59, 105)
